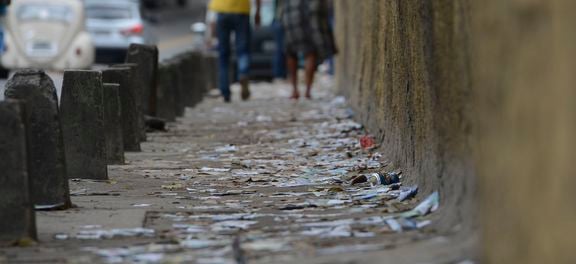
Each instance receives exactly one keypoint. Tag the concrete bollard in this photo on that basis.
(146, 59)
(176, 80)
(132, 118)
(212, 70)
(196, 61)
(83, 124)
(166, 94)
(205, 75)
(113, 124)
(199, 66)
(17, 219)
(48, 176)
(187, 72)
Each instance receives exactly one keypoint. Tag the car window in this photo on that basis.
(44, 12)
(111, 12)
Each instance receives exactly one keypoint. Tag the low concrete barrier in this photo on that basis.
(176, 82)
(186, 81)
(146, 59)
(113, 124)
(201, 76)
(17, 219)
(132, 118)
(166, 94)
(83, 124)
(211, 67)
(101, 116)
(46, 158)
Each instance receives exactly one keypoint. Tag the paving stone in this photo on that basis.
(83, 124)
(48, 174)
(17, 218)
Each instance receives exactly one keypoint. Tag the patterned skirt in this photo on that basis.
(307, 27)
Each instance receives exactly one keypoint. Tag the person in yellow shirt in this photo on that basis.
(234, 17)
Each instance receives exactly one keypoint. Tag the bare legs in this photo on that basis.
(310, 72)
(292, 63)
(311, 66)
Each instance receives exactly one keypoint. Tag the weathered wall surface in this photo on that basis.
(404, 70)
(524, 84)
(473, 95)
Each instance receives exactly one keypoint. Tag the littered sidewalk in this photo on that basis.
(263, 181)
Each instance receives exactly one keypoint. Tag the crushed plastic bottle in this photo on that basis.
(378, 178)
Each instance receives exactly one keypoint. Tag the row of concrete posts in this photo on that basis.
(102, 114)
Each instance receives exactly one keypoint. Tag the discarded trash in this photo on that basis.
(407, 193)
(338, 101)
(405, 221)
(189, 229)
(61, 236)
(49, 207)
(281, 189)
(206, 169)
(394, 225)
(228, 225)
(229, 148)
(199, 243)
(378, 178)
(263, 118)
(330, 232)
(142, 205)
(274, 245)
(113, 233)
(173, 186)
(429, 205)
(367, 142)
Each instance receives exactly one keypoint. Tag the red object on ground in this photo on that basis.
(367, 142)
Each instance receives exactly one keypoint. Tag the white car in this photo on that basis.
(114, 25)
(47, 34)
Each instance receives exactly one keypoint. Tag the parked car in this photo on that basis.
(154, 4)
(48, 35)
(114, 25)
(263, 44)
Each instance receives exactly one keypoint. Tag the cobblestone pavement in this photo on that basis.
(264, 181)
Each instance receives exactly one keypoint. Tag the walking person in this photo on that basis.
(279, 62)
(307, 32)
(233, 16)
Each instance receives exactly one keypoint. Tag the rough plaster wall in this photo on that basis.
(465, 90)
(524, 80)
(406, 73)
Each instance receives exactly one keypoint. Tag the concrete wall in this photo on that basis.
(524, 81)
(466, 94)
(406, 74)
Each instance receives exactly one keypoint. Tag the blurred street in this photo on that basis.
(172, 31)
